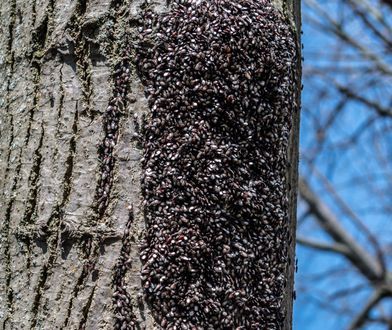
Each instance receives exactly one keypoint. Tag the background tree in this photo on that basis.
(346, 187)
(71, 221)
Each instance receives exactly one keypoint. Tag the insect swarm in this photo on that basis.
(123, 311)
(124, 317)
(111, 119)
(218, 76)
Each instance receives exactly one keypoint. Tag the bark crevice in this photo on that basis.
(33, 182)
(53, 227)
(82, 55)
(86, 309)
(87, 248)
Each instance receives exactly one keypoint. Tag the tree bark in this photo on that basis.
(64, 210)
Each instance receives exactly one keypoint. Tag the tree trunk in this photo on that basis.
(71, 218)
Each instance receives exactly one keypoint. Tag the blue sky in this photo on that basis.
(321, 273)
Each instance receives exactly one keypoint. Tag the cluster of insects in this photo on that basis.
(122, 300)
(124, 317)
(111, 124)
(218, 76)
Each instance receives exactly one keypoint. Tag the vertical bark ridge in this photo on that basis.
(54, 152)
(127, 296)
(86, 309)
(292, 10)
(112, 116)
(33, 182)
(20, 137)
(116, 107)
(10, 53)
(10, 138)
(53, 227)
(87, 247)
(6, 239)
(84, 68)
(91, 256)
(54, 224)
(31, 202)
(82, 53)
(9, 61)
(83, 65)
(111, 123)
(35, 68)
(7, 222)
(33, 11)
(9, 57)
(5, 228)
(60, 106)
(70, 160)
(58, 148)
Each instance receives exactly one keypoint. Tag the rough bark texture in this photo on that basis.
(292, 8)
(59, 249)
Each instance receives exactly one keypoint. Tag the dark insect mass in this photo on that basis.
(124, 318)
(218, 76)
(111, 120)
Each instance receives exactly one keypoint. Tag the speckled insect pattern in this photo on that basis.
(218, 76)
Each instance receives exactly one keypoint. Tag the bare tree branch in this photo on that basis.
(337, 29)
(347, 291)
(354, 217)
(362, 317)
(384, 112)
(363, 15)
(336, 248)
(359, 257)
